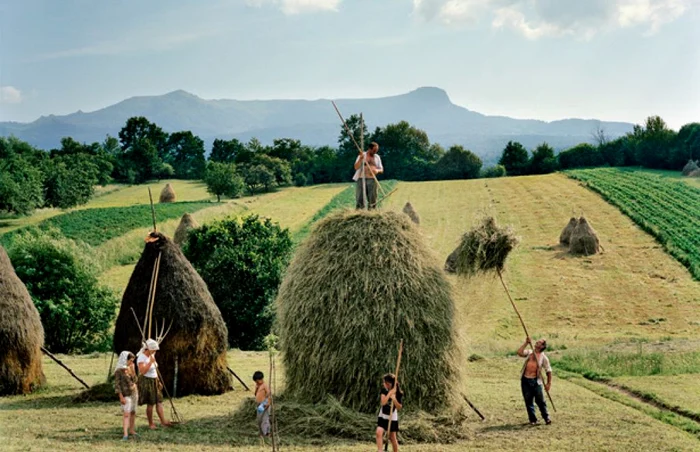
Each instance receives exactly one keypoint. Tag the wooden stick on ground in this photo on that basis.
(500, 276)
(238, 378)
(70, 371)
(473, 407)
(391, 408)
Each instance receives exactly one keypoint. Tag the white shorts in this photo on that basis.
(131, 403)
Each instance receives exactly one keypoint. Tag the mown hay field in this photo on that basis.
(631, 293)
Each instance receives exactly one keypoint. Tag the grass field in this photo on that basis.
(632, 295)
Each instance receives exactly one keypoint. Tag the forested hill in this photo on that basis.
(313, 122)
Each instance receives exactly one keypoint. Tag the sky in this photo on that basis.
(620, 60)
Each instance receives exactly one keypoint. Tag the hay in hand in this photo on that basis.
(584, 239)
(486, 247)
(690, 167)
(167, 194)
(186, 223)
(198, 337)
(358, 285)
(565, 235)
(21, 334)
(412, 214)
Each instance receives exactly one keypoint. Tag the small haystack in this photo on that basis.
(186, 223)
(358, 285)
(412, 214)
(690, 167)
(565, 235)
(21, 334)
(168, 194)
(451, 261)
(484, 248)
(198, 337)
(694, 173)
(584, 239)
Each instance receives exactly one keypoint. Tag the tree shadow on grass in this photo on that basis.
(40, 403)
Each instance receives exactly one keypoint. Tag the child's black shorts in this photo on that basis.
(381, 422)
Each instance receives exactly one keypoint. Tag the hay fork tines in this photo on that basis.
(162, 333)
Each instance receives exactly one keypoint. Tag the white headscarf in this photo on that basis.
(149, 345)
(123, 360)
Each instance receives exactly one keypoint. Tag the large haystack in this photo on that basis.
(187, 222)
(484, 248)
(167, 194)
(412, 214)
(358, 285)
(21, 334)
(198, 337)
(584, 239)
(565, 235)
(690, 167)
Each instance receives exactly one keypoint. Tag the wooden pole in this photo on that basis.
(238, 378)
(153, 295)
(391, 407)
(58, 361)
(500, 276)
(362, 146)
(153, 209)
(473, 407)
(175, 379)
(272, 430)
(174, 413)
(109, 371)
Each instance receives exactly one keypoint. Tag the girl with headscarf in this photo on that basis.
(150, 387)
(125, 386)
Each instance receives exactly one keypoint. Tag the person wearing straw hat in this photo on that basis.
(125, 386)
(365, 177)
(531, 381)
(150, 388)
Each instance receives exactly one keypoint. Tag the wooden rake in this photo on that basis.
(391, 407)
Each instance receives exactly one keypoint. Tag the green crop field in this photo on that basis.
(626, 318)
(664, 208)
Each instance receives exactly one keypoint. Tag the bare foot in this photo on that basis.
(152, 426)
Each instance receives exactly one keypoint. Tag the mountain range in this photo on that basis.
(314, 122)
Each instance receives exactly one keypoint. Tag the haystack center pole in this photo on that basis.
(352, 137)
(500, 276)
(58, 361)
(391, 408)
(153, 294)
(362, 146)
(153, 209)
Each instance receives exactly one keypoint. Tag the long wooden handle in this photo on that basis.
(391, 407)
(58, 361)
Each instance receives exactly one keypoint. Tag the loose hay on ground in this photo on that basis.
(167, 194)
(485, 247)
(358, 285)
(102, 392)
(21, 334)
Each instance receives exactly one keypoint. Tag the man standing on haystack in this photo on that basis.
(365, 177)
(530, 381)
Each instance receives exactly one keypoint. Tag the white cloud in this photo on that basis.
(541, 18)
(10, 95)
(290, 7)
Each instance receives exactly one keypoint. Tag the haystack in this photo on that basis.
(694, 173)
(451, 261)
(584, 239)
(186, 223)
(690, 167)
(358, 285)
(21, 334)
(485, 247)
(412, 214)
(198, 337)
(565, 235)
(167, 194)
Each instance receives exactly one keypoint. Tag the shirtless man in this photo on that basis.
(373, 166)
(531, 381)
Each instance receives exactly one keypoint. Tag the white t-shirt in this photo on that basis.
(143, 358)
(358, 172)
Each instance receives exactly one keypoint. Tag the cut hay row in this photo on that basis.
(21, 334)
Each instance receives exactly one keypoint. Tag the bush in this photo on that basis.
(300, 180)
(222, 180)
(581, 156)
(494, 171)
(242, 263)
(61, 277)
(458, 163)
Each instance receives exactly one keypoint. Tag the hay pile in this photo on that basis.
(486, 247)
(358, 285)
(167, 194)
(187, 222)
(21, 334)
(584, 239)
(451, 262)
(690, 167)
(198, 336)
(102, 392)
(565, 235)
(694, 173)
(412, 214)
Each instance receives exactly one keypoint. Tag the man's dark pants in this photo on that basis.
(371, 194)
(533, 392)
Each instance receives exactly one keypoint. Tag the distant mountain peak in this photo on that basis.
(430, 94)
(180, 93)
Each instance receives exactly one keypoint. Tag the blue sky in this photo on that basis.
(544, 59)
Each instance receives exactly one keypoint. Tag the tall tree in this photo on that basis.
(223, 180)
(458, 163)
(515, 159)
(402, 147)
(139, 128)
(226, 151)
(185, 152)
(543, 160)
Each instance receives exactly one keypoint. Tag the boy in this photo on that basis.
(262, 399)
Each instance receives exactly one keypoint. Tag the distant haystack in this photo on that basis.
(412, 214)
(186, 223)
(690, 167)
(21, 334)
(584, 239)
(168, 194)
(694, 173)
(198, 338)
(565, 235)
